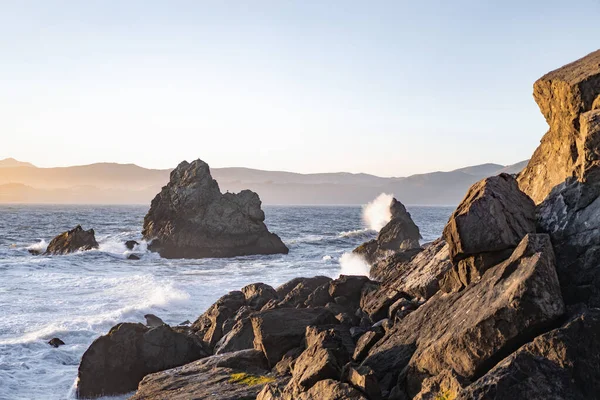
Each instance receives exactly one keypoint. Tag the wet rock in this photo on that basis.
(487, 225)
(190, 218)
(349, 287)
(133, 257)
(400, 234)
(152, 321)
(570, 147)
(56, 342)
(74, 240)
(258, 294)
(469, 330)
(280, 330)
(130, 244)
(116, 362)
(239, 375)
(34, 252)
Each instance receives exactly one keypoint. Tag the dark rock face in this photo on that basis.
(258, 294)
(561, 364)
(56, 342)
(190, 218)
(130, 244)
(571, 216)
(239, 375)
(295, 292)
(568, 99)
(487, 225)
(400, 234)
(152, 321)
(74, 240)
(117, 362)
(509, 305)
(209, 326)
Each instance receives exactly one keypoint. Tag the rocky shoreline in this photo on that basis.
(503, 305)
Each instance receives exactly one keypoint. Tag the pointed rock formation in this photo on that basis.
(190, 218)
(569, 99)
(74, 240)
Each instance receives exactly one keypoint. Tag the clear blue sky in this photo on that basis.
(389, 88)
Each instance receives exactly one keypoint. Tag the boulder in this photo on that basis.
(349, 287)
(571, 216)
(566, 97)
(366, 342)
(152, 321)
(191, 218)
(258, 294)
(561, 364)
(116, 362)
(363, 379)
(209, 326)
(240, 337)
(56, 342)
(469, 331)
(400, 234)
(295, 293)
(71, 241)
(130, 244)
(330, 389)
(232, 376)
(134, 257)
(487, 225)
(279, 330)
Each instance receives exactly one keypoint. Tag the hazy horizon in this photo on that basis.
(295, 86)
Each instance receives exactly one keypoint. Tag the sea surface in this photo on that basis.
(80, 296)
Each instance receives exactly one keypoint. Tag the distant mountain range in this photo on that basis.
(110, 183)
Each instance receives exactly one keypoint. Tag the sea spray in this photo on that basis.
(354, 264)
(377, 214)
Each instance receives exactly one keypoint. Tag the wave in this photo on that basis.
(354, 264)
(39, 247)
(377, 213)
(367, 232)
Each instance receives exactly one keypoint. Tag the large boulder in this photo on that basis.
(295, 292)
(279, 330)
(571, 216)
(116, 362)
(399, 234)
(191, 218)
(232, 376)
(561, 364)
(469, 330)
(487, 225)
(569, 100)
(210, 325)
(77, 239)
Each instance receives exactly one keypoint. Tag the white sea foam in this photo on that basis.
(377, 214)
(353, 264)
(357, 233)
(39, 247)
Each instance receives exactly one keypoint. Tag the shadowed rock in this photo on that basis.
(190, 218)
(74, 240)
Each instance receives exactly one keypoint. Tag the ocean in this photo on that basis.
(80, 296)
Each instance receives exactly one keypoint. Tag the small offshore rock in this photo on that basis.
(130, 244)
(71, 241)
(133, 257)
(56, 342)
(152, 321)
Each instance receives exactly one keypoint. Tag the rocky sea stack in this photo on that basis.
(502, 306)
(76, 239)
(191, 218)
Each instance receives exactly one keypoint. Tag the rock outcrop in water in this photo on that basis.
(400, 234)
(500, 307)
(77, 239)
(191, 218)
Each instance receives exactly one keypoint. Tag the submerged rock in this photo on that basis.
(400, 234)
(569, 99)
(190, 218)
(71, 241)
(130, 244)
(56, 342)
(116, 362)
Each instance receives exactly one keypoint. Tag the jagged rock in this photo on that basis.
(190, 218)
(152, 321)
(116, 362)
(295, 292)
(569, 99)
(279, 330)
(130, 244)
(561, 364)
(240, 337)
(365, 343)
(232, 376)
(258, 294)
(319, 297)
(56, 342)
(286, 364)
(446, 385)
(571, 216)
(487, 225)
(209, 326)
(330, 389)
(400, 234)
(363, 379)
(469, 330)
(74, 240)
(386, 268)
(349, 287)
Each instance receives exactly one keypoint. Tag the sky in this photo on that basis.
(390, 88)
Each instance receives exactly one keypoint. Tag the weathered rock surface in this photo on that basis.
(258, 294)
(467, 331)
(190, 218)
(490, 221)
(209, 326)
(295, 292)
(152, 321)
(566, 96)
(561, 364)
(71, 241)
(327, 389)
(279, 330)
(116, 362)
(571, 216)
(400, 234)
(233, 376)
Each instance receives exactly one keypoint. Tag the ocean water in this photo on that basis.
(80, 296)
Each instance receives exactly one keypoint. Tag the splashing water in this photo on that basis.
(354, 264)
(377, 214)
